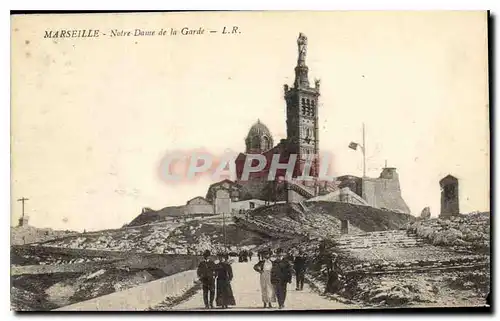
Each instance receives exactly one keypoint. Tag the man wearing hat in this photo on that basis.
(206, 274)
(281, 274)
(299, 266)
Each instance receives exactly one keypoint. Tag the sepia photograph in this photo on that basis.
(257, 161)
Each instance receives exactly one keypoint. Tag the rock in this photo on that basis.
(426, 213)
(96, 274)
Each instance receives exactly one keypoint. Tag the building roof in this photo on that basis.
(230, 182)
(448, 178)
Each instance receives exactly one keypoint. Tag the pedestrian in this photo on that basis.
(333, 273)
(250, 254)
(299, 265)
(264, 267)
(206, 274)
(281, 274)
(224, 274)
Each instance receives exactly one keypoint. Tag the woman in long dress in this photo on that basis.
(264, 267)
(224, 273)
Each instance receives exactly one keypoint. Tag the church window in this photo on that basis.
(267, 143)
(255, 142)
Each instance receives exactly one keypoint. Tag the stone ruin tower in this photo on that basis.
(449, 196)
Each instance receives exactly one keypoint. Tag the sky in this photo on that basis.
(92, 118)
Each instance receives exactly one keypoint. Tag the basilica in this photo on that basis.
(302, 114)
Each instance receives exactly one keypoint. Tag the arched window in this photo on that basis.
(266, 143)
(255, 144)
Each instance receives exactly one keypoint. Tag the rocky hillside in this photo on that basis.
(462, 232)
(190, 237)
(433, 262)
(320, 219)
(29, 234)
(383, 263)
(149, 216)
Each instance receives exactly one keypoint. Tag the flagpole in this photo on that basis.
(364, 156)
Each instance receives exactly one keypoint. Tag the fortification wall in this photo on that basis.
(384, 193)
(253, 189)
(198, 209)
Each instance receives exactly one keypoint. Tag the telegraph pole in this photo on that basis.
(22, 200)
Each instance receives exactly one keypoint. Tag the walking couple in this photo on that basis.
(274, 277)
(216, 277)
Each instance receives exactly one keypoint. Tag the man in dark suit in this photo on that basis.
(206, 274)
(281, 274)
(299, 266)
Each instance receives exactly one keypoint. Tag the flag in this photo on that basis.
(353, 145)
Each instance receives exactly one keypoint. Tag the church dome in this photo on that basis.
(259, 138)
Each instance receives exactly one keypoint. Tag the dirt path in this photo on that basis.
(246, 288)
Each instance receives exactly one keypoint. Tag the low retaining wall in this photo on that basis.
(141, 297)
(59, 268)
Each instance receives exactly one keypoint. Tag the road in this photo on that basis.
(246, 289)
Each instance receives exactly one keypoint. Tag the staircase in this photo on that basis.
(300, 189)
(393, 238)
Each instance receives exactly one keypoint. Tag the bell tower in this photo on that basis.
(302, 112)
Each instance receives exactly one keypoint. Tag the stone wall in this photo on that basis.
(198, 209)
(140, 297)
(236, 207)
(253, 189)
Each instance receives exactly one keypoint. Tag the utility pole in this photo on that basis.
(354, 146)
(22, 200)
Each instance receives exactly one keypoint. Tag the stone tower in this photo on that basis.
(302, 112)
(449, 196)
